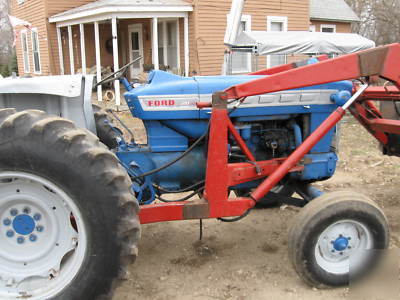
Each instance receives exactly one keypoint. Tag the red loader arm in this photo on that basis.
(382, 61)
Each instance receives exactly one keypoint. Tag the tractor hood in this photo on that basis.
(164, 83)
(168, 96)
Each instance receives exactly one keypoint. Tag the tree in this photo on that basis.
(14, 64)
(6, 33)
(379, 19)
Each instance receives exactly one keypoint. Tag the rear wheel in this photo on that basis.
(68, 218)
(333, 236)
(107, 135)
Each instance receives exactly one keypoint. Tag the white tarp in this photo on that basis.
(272, 42)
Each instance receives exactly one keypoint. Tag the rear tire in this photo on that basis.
(332, 231)
(74, 199)
(104, 130)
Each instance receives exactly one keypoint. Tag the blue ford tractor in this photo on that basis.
(272, 126)
(71, 183)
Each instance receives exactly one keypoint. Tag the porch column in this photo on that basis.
(98, 60)
(83, 48)
(165, 43)
(178, 47)
(116, 59)
(71, 50)
(60, 51)
(186, 43)
(155, 43)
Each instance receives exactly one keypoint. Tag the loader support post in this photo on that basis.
(217, 158)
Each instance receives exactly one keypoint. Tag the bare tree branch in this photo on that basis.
(6, 34)
(379, 19)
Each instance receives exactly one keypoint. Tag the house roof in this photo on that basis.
(115, 6)
(332, 10)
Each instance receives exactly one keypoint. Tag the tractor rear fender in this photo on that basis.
(66, 96)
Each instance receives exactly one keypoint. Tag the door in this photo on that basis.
(276, 24)
(241, 61)
(135, 48)
(277, 59)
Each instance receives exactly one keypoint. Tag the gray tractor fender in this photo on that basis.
(67, 96)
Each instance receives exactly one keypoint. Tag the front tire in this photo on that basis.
(69, 222)
(333, 238)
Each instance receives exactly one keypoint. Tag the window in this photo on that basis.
(276, 23)
(160, 43)
(25, 53)
(171, 43)
(171, 39)
(35, 52)
(240, 61)
(328, 28)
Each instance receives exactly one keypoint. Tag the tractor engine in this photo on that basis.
(270, 139)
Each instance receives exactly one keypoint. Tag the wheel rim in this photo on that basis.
(343, 247)
(42, 236)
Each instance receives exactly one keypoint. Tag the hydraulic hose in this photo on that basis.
(186, 189)
(181, 199)
(176, 159)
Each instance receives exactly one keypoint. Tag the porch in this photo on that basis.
(102, 36)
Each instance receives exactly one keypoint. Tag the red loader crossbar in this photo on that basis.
(221, 175)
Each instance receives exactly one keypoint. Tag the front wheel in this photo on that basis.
(334, 237)
(69, 222)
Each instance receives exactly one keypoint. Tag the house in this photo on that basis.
(331, 16)
(183, 36)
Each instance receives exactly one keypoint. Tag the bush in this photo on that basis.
(4, 70)
(14, 64)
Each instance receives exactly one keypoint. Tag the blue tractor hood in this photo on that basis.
(169, 96)
(164, 83)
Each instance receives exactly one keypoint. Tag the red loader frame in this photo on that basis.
(220, 175)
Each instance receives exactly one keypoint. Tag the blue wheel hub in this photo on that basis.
(341, 243)
(24, 224)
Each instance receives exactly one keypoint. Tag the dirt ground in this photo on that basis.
(248, 259)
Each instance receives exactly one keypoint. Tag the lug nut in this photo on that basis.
(14, 212)
(20, 240)
(37, 217)
(33, 238)
(7, 222)
(341, 253)
(349, 247)
(333, 251)
(10, 233)
(39, 228)
(26, 210)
